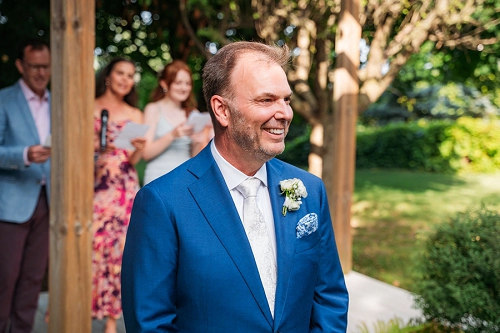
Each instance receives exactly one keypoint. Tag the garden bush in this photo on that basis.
(447, 146)
(460, 272)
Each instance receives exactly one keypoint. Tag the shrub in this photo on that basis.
(397, 325)
(464, 145)
(460, 285)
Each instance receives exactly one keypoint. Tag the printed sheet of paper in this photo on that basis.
(198, 120)
(130, 131)
(48, 141)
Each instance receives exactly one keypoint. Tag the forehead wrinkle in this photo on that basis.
(247, 66)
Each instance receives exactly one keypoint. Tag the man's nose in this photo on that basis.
(285, 111)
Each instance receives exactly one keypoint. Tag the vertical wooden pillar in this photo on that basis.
(72, 86)
(346, 89)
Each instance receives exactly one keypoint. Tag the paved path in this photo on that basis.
(370, 301)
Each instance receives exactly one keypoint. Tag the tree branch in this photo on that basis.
(189, 28)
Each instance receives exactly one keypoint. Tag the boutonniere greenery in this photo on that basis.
(294, 190)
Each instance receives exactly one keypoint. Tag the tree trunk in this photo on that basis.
(345, 98)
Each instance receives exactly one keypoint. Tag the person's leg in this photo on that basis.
(12, 239)
(33, 267)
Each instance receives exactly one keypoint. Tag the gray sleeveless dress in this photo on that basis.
(177, 153)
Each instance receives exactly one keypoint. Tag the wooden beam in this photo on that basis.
(345, 97)
(72, 86)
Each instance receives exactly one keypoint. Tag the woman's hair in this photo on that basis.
(168, 74)
(100, 86)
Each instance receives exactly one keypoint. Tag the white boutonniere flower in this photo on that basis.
(294, 190)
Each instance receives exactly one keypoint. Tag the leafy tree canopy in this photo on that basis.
(20, 19)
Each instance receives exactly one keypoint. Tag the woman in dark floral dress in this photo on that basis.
(116, 184)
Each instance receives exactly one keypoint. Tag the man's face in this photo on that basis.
(35, 69)
(260, 112)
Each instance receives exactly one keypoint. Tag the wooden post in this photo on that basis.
(345, 97)
(72, 46)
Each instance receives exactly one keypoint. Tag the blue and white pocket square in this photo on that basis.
(307, 225)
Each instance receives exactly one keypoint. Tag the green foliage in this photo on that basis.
(392, 208)
(475, 68)
(297, 145)
(460, 283)
(431, 101)
(396, 325)
(144, 88)
(465, 145)
(19, 20)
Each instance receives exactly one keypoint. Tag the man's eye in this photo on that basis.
(288, 100)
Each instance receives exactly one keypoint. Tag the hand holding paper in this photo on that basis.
(129, 132)
(198, 120)
(48, 141)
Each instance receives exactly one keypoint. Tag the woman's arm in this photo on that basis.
(138, 143)
(154, 147)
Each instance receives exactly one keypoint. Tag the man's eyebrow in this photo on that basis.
(269, 94)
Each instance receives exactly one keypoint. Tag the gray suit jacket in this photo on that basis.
(19, 184)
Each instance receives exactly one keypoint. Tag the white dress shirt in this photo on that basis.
(40, 111)
(233, 177)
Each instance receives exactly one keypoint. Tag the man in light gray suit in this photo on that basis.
(24, 187)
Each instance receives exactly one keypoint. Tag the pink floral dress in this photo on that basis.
(115, 186)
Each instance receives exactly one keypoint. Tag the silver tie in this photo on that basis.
(258, 236)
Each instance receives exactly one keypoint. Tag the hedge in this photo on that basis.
(460, 272)
(447, 146)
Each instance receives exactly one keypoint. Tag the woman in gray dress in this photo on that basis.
(170, 140)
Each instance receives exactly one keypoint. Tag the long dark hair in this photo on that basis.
(168, 74)
(100, 85)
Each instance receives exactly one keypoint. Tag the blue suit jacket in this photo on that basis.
(19, 185)
(188, 266)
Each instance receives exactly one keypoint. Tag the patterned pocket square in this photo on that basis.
(307, 225)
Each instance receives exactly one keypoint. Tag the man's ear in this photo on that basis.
(19, 66)
(221, 110)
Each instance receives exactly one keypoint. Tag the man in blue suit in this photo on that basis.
(203, 254)
(24, 187)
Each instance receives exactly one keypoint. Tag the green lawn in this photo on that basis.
(393, 210)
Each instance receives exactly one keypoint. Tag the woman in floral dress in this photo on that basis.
(116, 184)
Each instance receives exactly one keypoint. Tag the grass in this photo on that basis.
(393, 210)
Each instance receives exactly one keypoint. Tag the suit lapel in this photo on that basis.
(214, 200)
(25, 113)
(285, 237)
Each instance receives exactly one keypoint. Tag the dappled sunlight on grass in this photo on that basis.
(392, 210)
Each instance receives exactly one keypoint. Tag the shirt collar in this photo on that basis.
(233, 176)
(30, 95)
